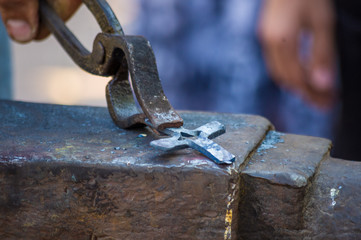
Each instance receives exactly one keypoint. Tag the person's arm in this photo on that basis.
(281, 25)
(22, 20)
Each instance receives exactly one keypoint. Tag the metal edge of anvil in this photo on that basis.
(288, 159)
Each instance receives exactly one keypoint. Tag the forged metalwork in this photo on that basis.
(121, 56)
(198, 139)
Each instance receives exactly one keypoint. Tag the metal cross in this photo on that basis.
(198, 139)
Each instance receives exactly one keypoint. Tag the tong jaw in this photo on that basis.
(115, 54)
(139, 61)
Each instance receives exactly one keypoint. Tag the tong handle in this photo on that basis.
(105, 16)
(91, 62)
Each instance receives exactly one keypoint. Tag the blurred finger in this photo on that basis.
(323, 57)
(20, 18)
(322, 70)
(280, 42)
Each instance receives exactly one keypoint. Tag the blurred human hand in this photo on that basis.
(281, 26)
(21, 17)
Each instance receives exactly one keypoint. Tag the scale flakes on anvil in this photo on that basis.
(119, 55)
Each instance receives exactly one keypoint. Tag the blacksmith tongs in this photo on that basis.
(118, 55)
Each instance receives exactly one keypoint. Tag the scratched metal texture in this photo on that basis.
(68, 172)
(292, 189)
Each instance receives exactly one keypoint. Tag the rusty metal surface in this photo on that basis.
(69, 172)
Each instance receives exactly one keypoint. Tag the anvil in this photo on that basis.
(67, 172)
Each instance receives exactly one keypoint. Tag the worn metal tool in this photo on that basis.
(118, 55)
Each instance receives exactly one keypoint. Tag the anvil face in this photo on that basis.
(87, 135)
